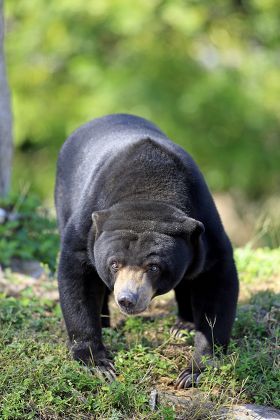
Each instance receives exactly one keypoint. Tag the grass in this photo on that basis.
(38, 379)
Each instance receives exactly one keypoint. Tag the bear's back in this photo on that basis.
(89, 148)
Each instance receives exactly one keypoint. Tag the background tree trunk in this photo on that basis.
(6, 146)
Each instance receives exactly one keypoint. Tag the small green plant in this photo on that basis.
(28, 232)
(39, 380)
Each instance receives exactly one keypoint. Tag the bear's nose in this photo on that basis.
(127, 300)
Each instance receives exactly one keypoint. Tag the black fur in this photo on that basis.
(148, 200)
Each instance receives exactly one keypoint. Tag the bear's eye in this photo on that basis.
(154, 268)
(114, 266)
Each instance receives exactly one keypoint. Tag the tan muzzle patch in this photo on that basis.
(133, 280)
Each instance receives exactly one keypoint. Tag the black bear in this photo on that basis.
(136, 218)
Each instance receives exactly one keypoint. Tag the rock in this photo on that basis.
(3, 216)
(189, 403)
(252, 411)
(30, 268)
(193, 400)
(8, 216)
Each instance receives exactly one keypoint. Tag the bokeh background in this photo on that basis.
(207, 72)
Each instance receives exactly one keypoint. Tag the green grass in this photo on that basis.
(38, 379)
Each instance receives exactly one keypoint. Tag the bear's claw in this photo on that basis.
(105, 369)
(179, 329)
(186, 379)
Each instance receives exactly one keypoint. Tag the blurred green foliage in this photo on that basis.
(30, 234)
(206, 72)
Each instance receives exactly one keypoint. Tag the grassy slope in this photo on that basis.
(38, 379)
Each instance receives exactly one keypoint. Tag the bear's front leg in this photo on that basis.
(184, 322)
(81, 297)
(214, 298)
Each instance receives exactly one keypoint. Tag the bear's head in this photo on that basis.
(141, 250)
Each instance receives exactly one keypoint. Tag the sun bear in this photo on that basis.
(136, 218)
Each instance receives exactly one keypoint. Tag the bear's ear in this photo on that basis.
(194, 230)
(98, 218)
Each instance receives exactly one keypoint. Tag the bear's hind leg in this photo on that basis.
(214, 299)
